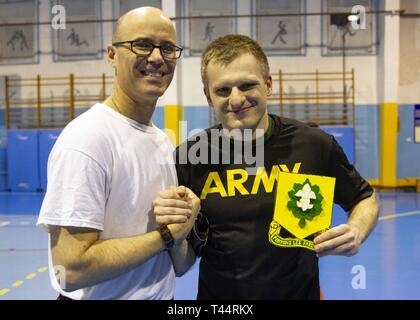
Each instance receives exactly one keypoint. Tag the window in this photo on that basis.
(201, 31)
(280, 34)
(123, 6)
(79, 40)
(338, 31)
(18, 43)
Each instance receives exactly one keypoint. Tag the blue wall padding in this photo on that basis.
(3, 182)
(345, 138)
(22, 160)
(3, 158)
(367, 141)
(47, 138)
(197, 118)
(408, 152)
(158, 117)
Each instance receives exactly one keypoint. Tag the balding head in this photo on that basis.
(130, 18)
(142, 78)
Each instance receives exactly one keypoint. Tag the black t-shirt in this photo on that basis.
(238, 261)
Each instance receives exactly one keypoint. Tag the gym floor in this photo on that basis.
(385, 268)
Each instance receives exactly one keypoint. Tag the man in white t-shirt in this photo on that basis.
(106, 168)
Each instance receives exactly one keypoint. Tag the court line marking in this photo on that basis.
(21, 223)
(4, 223)
(6, 193)
(4, 291)
(18, 283)
(22, 226)
(19, 213)
(17, 224)
(23, 250)
(398, 215)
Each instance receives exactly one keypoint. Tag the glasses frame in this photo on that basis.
(177, 49)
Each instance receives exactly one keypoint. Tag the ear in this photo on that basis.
(269, 84)
(111, 55)
(207, 94)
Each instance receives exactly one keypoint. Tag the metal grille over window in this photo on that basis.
(123, 6)
(79, 41)
(18, 42)
(347, 32)
(202, 31)
(281, 34)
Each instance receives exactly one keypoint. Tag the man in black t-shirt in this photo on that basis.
(237, 195)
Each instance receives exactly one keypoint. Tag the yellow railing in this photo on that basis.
(325, 98)
(67, 96)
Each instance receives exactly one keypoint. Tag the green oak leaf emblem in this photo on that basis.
(305, 201)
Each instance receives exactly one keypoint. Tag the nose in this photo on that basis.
(155, 57)
(237, 98)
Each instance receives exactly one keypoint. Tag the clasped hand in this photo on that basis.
(176, 207)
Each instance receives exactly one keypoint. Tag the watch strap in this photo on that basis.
(166, 235)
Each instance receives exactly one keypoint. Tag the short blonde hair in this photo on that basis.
(225, 49)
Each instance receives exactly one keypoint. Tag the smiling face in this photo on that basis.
(143, 79)
(238, 93)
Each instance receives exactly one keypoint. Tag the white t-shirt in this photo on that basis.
(103, 173)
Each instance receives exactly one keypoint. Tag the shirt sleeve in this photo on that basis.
(76, 191)
(350, 187)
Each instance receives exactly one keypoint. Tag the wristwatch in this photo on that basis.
(166, 236)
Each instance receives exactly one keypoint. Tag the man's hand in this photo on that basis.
(172, 206)
(177, 207)
(344, 240)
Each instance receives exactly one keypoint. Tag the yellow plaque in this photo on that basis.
(303, 203)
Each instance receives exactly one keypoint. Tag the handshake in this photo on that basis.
(177, 208)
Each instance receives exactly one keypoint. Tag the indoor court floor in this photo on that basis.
(387, 267)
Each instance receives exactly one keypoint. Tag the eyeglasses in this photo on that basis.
(144, 48)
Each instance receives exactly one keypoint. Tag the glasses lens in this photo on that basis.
(169, 51)
(142, 47)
